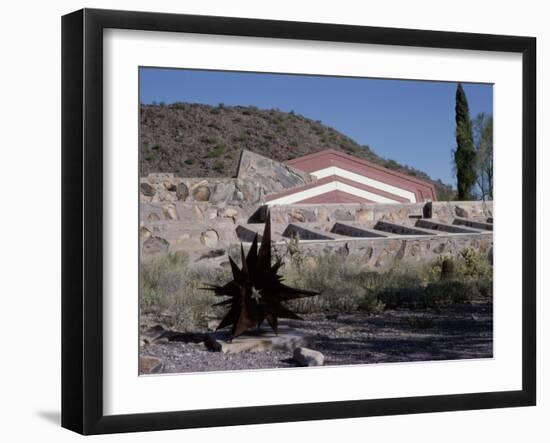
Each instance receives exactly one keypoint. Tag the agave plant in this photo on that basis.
(256, 292)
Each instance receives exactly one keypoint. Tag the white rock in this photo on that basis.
(183, 238)
(144, 233)
(198, 214)
(230, 212)
(308, 357)
(209, 238)
(170, 212)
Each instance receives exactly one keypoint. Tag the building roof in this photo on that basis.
(342, 178)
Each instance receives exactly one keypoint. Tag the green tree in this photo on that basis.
(483, 142)
(464, 154)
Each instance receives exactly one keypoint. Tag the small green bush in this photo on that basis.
(417, 322)
(475, 264)
(218, 166)
(403, 297)
(178, 105)
(371, 303)
(391, 164)
(217, 151)
(444, 293)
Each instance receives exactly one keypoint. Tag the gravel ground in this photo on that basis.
(458, 332)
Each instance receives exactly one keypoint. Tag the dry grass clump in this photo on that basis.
(170, 291)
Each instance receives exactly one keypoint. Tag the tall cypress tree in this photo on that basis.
(465, 153)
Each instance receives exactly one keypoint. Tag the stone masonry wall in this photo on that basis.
(207, 231)
(257, 177)
(380, 254)
(369, 214)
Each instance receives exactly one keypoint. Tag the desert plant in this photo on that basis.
(417, 322)
(371, 303)
(218, 166)
(171, 289)
(217, 151)
(444, 293)
(475, 264)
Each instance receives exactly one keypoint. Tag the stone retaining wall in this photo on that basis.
(382, 253)
(207, 231)
(257, 177)
(369, 214)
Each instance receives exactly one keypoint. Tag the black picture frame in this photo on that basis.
(82, 218)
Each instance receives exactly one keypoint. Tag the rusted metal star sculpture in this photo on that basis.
(256, 291)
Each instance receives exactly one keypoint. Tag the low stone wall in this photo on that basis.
(198, 228)
(380, 254)
(257, 177)
(166, 188)
(207, 231)
(369, 214)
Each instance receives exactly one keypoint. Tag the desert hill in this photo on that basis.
(194, 140)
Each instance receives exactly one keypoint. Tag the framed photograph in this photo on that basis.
(269, 221)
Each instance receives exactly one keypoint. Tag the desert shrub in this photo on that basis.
(159, 277)
(217, 151)
(417, 322)
(218, 166)
(208, 139)
(337, 280)
(178, 105)
(470, 265)
(475, 264)
(395, 297)
(444, 293)
(391, 164)
(171, 288)
(371, 303)
(485, 288)
(189, 161)
(346, 284)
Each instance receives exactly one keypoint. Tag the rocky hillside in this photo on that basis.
(194, 140)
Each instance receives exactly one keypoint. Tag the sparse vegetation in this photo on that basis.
(346, 285)
(170, 285)
(219, 166)
(216, 151)
(170, 288)
(417, 322)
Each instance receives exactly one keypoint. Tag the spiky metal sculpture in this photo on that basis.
(256, 291)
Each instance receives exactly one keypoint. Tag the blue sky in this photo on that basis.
(409, 121)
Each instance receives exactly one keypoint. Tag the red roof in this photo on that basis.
(355, 180)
